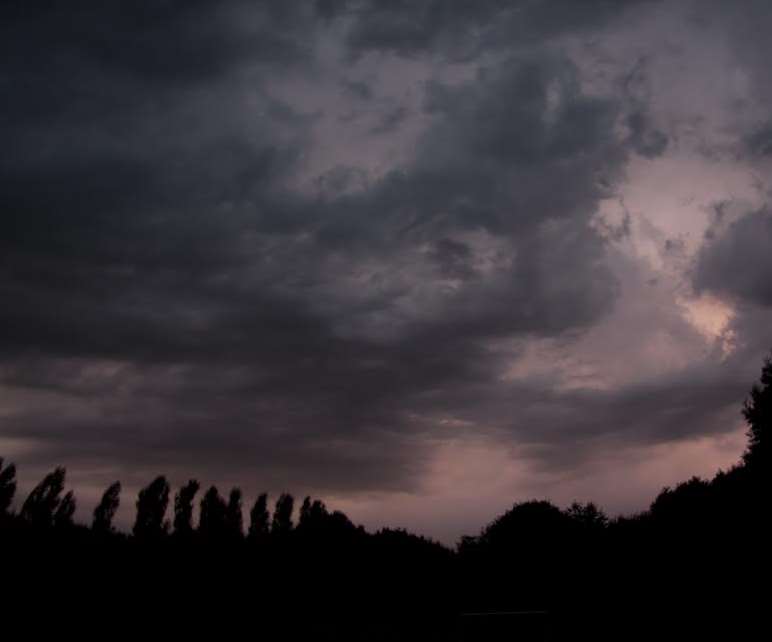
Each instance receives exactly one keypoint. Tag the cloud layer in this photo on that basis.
(311, 247)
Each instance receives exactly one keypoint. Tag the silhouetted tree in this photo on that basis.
(65, 512)
(529, 523)
(688, 505)
(183, 508)
(152, 503)
(305, 512)
(758, 413)
(587, 515)
(282, 515)
(212, 521)
(532, 537)
(233, 515)
(259, 519)
(42, 503)
(7, 486)
(313, 515)
(105, 510)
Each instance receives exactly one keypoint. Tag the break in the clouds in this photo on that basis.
(360, 249)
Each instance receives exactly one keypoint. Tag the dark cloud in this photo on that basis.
(575, 425)
(177, 297)
(454, 258)
(738, 262)
(390, 121)
(358, 89)
(174, 41)
(166, 240)
(759, 142)
(463, 30)
(647, 141)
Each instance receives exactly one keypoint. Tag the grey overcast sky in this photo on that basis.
(421, 259)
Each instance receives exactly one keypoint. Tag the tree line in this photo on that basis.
(685, 568)
(48, 506)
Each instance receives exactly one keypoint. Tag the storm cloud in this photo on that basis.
(739, 262)
(296, 245)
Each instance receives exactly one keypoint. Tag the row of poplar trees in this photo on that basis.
(48, 506)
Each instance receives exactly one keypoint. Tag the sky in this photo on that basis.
(421, 259)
